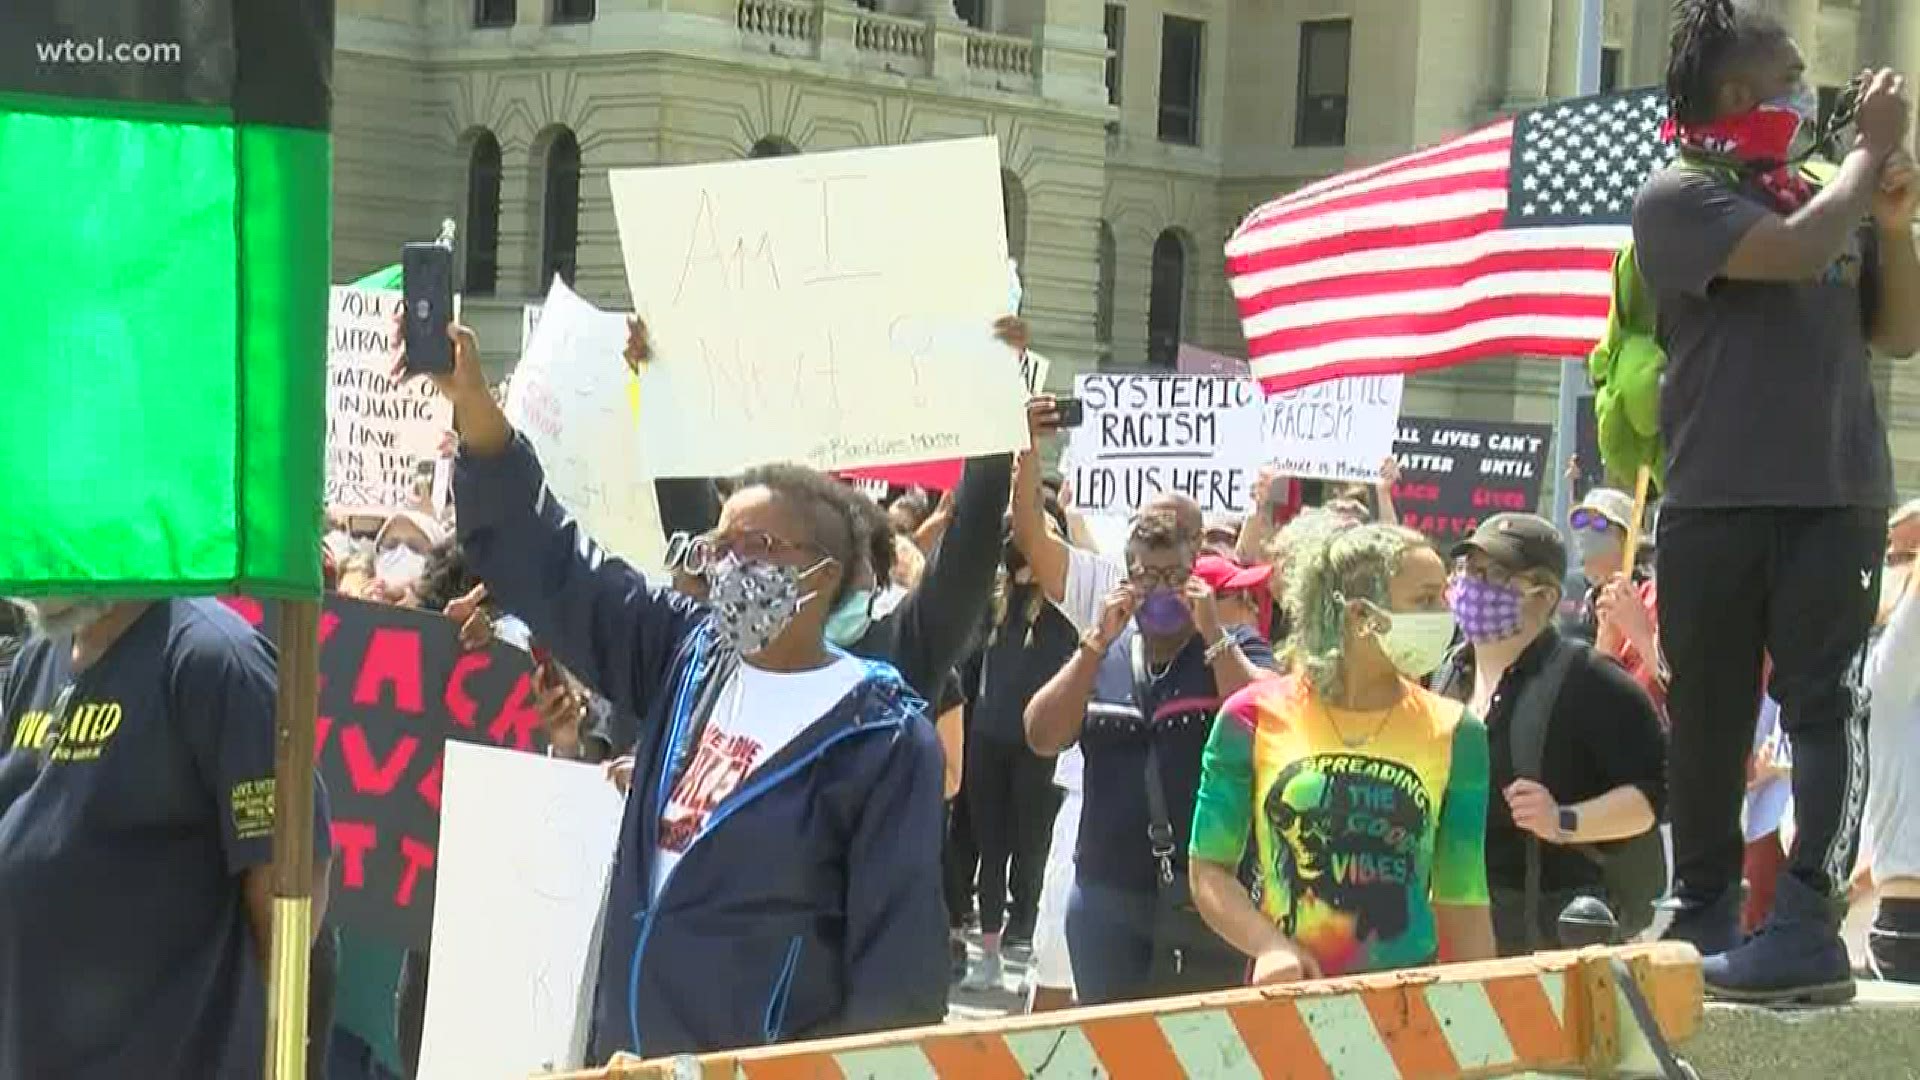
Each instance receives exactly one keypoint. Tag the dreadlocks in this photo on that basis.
(1710, 37)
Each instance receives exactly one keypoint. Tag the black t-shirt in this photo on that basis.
(1016, 662)
(125, 945)
(1767, 399)
(1604, 732)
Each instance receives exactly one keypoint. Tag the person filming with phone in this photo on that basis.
(778, 869)
(1770, 287)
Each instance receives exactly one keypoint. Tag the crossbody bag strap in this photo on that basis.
(1532, 715)
(1159, 821)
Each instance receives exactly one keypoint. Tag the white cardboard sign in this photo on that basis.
(1341, 429)
(834, 309)
(1147, 434)
(526, 852)
(379, 431)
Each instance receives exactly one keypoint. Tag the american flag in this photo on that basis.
(1497, 243)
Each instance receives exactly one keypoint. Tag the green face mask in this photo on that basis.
(849, 621)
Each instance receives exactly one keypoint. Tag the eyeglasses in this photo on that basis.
(1591, 521)
(1167, 577)
(1487, 572)
(695, 554)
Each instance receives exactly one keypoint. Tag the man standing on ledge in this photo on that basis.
(1778, 475)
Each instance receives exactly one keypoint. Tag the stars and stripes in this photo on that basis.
(1499, 242)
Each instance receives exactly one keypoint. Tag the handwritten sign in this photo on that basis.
(1454, 473)
(835, 309)
(379, 432)
(1341, 429)
(945, 475)
(568, 397)
(1146, 434)
(526, 851)
(395, 687)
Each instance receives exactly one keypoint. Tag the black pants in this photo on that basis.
(1738, 587)
(960, 860)
(410, 1008)
(1894, 941)
(1011, 797)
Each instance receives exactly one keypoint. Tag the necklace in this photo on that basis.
(1351, 742)
(1156, 674)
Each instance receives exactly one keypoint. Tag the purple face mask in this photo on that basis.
(1161, 613)
(1486, 612)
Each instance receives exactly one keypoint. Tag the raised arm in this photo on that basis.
(600, 617)
(1045, 552)
(935, 622)
(1054, 715)
(1896, 314)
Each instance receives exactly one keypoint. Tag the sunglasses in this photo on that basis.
(1591, 521)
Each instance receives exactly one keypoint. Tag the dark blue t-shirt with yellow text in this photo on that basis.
(125, 942)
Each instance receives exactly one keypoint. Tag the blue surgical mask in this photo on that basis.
(1804, 100)
(850, 621)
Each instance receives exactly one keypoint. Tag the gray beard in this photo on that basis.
(65, 618)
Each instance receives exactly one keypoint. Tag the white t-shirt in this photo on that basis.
(1892, 829)
(759, 713)
(1090, 577)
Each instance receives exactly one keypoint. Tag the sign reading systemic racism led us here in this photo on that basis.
(1454, 473)
(1147, 434)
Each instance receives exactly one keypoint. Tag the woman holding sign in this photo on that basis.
(778, 872)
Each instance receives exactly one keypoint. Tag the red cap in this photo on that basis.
(1225, 575)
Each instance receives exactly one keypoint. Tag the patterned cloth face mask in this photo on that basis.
(1486, 612)
(754, 601)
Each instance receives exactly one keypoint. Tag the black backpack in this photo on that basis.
(1634, 869)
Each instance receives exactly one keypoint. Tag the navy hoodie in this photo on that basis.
(810, 903)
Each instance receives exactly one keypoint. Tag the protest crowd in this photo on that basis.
(877, 743)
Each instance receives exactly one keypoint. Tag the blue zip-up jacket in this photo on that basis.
(810, 902)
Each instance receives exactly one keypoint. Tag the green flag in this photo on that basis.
(164, 185)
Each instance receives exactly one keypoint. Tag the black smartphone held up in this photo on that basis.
(1071, 410)
(426, 274)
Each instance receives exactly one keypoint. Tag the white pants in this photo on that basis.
(1051, 967)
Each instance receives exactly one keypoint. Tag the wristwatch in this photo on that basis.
(1569, 822)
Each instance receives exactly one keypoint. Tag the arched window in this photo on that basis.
(1013, 202)
(1166, 299)
(560, 210)
(482, 234)
(772, 146)
(1103, 289)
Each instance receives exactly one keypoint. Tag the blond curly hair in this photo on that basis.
(1326, 560)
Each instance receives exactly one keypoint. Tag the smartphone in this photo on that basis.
(1072, 411)
(426, 273)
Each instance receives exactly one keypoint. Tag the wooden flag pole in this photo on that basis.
(1641, 482)
(295, 707)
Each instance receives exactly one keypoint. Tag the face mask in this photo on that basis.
(399, 567)
(1161, 614)
(1804, 102)
(1594, 544)
(849, 621)
(1486, 612)
(753, 602)
(1417, 641)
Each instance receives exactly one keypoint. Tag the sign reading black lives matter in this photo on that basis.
(1454, 473)
(394, 687)
(1199, 435)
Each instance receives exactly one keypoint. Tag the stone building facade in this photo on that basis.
(1134, 133)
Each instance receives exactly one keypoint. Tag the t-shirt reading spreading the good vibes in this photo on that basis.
(758, 714)
(1365, 820)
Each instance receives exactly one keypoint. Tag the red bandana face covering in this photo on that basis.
(1758, 142)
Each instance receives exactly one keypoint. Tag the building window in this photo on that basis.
(1103, 287)
(572, 11)
(1609, 70)
(1166, 299)
(771, 146)
(972, 12)
(493, 13)
(560, 210)
(1181, 41)
(1116, 45)
(482, 244)
(1320, 116)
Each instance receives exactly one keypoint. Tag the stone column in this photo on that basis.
(1529, 38)
(1563, 67)
(1070, 61)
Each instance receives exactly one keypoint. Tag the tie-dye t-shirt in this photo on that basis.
(1355, 844)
